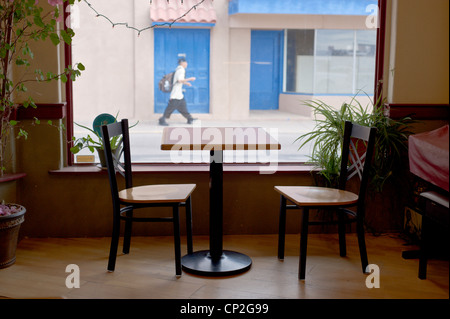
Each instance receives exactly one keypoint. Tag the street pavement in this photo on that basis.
(145, 138)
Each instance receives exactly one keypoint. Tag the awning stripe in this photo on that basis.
(168, 11)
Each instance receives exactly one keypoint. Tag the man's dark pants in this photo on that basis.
(179, 105)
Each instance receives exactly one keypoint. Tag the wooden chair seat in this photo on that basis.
(317, 196)
(170, 193)
(357, 149)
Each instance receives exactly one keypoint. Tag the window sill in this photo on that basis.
(190, 168)
(12, 177)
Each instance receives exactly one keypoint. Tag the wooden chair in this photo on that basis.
(435, 209)
(132, 198)
(337, 200)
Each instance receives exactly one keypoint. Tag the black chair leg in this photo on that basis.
(176, 235)
(114, 244)
(190, 247)
(362, 244)
(303, 244)
(282, 228)
(127, 234)
(341, 231)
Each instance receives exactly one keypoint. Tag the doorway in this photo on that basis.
(265, 69)
(193, 44)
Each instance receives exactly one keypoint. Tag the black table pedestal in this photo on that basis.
(230, 263)
(216, 261)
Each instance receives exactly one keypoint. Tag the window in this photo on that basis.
(119, 76)
(327, 62)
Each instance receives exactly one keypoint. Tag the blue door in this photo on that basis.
(265, 69)
(194, 45)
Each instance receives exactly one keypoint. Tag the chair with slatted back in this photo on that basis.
(333, 200)
(126, 201)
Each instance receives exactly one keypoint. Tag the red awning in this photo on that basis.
(167, 11)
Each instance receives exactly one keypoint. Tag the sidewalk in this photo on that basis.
(145, 138)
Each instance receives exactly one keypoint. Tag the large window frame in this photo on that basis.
(378, 89)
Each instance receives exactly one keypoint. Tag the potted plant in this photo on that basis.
(11, 217)
(388, 165)
(22, 23)
(94, 141)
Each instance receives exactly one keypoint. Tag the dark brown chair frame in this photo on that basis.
(125, 213)
(351, 132)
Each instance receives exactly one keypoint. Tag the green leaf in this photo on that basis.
(3, 53)
(38, 21)
(66, 37)
(54, 38)
(22, 133)
(20, 61)
(81, 67)
(74, 149)
(63, 78)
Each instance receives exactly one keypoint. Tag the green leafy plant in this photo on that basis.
(327, 137)
(94, 141)
(21, 23)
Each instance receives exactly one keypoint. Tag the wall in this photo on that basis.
(417, 57)
(295, 103)
(419, 54)
(220, 49)
(61, 205)
(114, 82)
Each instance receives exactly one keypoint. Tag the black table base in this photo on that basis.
(230, 263)
(216, 261)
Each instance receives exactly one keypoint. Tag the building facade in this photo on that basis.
(246, 55)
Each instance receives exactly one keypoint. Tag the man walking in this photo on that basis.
(177, 101)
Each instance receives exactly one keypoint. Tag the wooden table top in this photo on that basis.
(217, 138)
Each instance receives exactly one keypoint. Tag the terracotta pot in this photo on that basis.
(9, 234)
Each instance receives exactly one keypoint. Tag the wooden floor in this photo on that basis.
(148, 271)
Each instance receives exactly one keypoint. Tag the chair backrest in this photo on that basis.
(118, 130)
(357, 151)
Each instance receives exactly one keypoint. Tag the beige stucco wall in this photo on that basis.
(288, 21)
(419, 54)
(110, 78)
(295, 103)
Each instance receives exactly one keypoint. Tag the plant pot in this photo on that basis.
(101, 155)
(9, 234)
